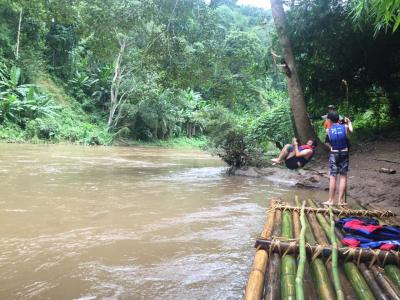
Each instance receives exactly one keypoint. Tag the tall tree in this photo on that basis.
(298, 105)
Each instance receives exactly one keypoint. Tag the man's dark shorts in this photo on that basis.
(338, 163)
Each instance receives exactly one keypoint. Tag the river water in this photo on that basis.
(126, 223)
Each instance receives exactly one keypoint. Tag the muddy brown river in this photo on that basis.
(126, 223)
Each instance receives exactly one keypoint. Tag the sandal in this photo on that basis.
(343, 204)
(327, 203)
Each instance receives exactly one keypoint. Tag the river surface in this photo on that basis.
(126, 223)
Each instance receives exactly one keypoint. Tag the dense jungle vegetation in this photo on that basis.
(112, 71)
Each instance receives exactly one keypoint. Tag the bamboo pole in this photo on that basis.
(317, 230)
(303, 258)
(358, 282)
(255, 283)
(372, 283)
(335, 269)
(385, 283)
(316, 220)
(348, 289)
(324, 287)
(323, 222)
(288, 264)
(272, 280)
(310, 292)
(379, 291)
(393, 273)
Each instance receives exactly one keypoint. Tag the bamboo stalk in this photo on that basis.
(346, 286)
(372, 283)
(323, 240)
(288, 264)
(380, 291)
(296, 224)
(310, 292)
(272, 280)
(385, 283)
(303, 258)
(393, 272)
(358, 282)
(324, 223)
(317, 230)
(335, 271)
(255, 283)
(324, 287)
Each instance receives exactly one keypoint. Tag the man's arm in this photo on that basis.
(349, 126)
(327, 141)
(299, 153)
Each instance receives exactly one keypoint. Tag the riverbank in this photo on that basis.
(175, 143)
(366, 184)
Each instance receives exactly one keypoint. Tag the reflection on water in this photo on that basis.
(125, 223)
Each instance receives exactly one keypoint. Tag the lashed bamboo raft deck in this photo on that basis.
(299, 256)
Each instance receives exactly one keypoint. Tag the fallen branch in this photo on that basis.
(387, 160)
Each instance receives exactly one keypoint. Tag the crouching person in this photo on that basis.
(296, 156)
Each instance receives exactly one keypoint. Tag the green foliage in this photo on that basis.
(381, 13)
(275, 124)
(190, 69)
(329, 49)
(231, 140)
(20, 103)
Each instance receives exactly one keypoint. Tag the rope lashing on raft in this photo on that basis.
(358, 255)
(336, 211)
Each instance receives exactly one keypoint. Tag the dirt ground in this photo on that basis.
(366, 184)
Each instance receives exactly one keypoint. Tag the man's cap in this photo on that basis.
(333, 107)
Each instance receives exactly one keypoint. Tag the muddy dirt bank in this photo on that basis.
(366, 184)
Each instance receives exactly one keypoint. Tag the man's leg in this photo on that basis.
(342, 189)
(283, 155)
(333, 171)
(332, 190)
(343, 169)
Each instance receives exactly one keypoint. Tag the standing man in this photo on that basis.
(327, 122)
(338, 157)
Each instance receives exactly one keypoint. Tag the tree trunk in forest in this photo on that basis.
(297, 103)
(116, 83)
(119, 94)
(18, 35)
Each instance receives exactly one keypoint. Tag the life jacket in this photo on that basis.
(304, 147)
(303, 160)
(337, 137)
(367, 233)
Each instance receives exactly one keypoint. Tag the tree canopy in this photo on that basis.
(100, 71)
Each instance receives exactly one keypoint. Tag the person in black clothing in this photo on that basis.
(296, 156)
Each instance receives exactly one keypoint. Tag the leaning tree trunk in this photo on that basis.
(115, 98)
(302, 122)
(18, 35)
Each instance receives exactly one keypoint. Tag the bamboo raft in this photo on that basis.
(300, 256)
